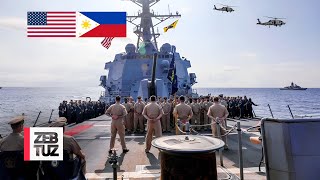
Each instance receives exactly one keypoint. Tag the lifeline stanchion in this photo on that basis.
(50, 116)
(270, 110)
(240, 150)
(34, 125)
(219, 136)
(290, 112)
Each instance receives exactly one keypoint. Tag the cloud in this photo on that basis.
(248, 56)
(230, 68)
(13, 23)
(185, 10)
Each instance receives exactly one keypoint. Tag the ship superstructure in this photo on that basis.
(293, 86)
(129, 73)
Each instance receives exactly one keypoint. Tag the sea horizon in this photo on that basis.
(192, 88)
(31, 100)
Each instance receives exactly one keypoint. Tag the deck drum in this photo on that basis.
(188, 157)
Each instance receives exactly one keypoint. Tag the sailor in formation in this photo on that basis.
(117, 112)
(78, 111)
(128, 122)
(206, 106)
(153, 113)
(15, 140)
(202, 112)
(138, 117)
(218, 112)
(183, 112)
(196, 109)
(131, 112)
(165, 120)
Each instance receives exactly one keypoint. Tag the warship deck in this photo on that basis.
(94, 137)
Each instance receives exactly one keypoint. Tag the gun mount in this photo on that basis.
(152, 83)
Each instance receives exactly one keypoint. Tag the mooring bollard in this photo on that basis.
(219, 136)
(240, 150)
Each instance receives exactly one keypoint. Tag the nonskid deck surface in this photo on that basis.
(94, 138)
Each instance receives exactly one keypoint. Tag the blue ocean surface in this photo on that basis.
(15, 101)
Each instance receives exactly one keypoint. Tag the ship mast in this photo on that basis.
(147, 37)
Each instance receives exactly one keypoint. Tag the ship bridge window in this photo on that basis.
(167, 56)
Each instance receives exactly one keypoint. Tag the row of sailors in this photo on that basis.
(152, 112)
(78, 111)
(156, 115)
(237, 107)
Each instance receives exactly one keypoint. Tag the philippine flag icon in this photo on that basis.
(101, 24)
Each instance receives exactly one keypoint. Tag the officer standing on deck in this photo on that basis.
(152, 112)
(183, 111)
(117, 112)
(138, 117)
(220, 113)
(128, 122)
(165, 120)
(206, 106)
(196, 109)
(14, 142)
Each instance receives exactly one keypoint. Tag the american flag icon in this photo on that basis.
(107, 42)
(51, 24)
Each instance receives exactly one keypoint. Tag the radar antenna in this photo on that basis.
(145, 30)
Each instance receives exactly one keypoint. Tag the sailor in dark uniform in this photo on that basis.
(69, 113)
(15, 140)
(249, 106)
(79, 114)
(60, 110)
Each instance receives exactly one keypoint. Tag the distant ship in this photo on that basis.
(293, 87)
(0, 87)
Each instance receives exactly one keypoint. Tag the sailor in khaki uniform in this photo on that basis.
(202, 112)
(183, 111)
(196, 109)
(117, 112)
(138, 117)
(70, 144)
(128, 122)
(206, 106)
(165, 120)
(131, 112)
(15, 140)
(218, 111)
(152, 112)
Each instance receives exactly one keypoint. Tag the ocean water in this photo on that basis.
(15, 101)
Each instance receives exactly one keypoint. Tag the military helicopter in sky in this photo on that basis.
(273, 22)
(225, 8)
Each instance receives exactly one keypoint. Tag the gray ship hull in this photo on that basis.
(293, 88)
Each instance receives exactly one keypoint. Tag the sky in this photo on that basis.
(225, 49)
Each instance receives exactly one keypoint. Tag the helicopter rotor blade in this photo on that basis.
(273, 17)
(223, 4)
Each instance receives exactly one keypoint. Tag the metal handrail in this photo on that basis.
(35, 123)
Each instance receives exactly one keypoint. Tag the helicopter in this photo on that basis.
(224, 8)
(273, 22)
